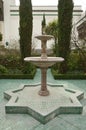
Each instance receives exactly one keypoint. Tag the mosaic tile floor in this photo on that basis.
(26, 122)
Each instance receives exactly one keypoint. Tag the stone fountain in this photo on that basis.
(44, 62)
(44, 101)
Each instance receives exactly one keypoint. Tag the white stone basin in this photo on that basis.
(47, 62)
(44, 37)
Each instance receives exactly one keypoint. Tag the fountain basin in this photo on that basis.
(44, 62)
(25, 100)
(44, 37)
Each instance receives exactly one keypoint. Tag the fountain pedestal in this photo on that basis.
(43, 91)
(43, 63)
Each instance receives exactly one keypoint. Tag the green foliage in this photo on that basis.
(25, 30)
(15, 71)
(21, 72)
(55, 67)
(11, 66)
(75, 68)
(54, 49)
(75, 62)
(3, 70)
(11, 62)
(52, 29)
(28, 68)
(65, 9)
(15, 67)
(67, 76)
(18, 76)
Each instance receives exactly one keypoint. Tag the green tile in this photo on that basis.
(26, 122)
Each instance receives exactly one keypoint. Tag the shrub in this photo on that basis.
(11, 67)
(52, 29)
(75, 62)
(3, 70)
(10, 62)
(28, 68)
(14, 71)
(67, 76)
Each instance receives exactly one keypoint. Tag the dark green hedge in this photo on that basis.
(68, 76)
(18, 76)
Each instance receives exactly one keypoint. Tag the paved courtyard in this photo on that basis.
(26, 122)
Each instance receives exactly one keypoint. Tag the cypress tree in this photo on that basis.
(65, 9)
(25, 30)
(43, 24)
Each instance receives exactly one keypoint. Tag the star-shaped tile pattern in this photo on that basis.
(61, 100)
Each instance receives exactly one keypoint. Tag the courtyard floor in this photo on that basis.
(26, 122)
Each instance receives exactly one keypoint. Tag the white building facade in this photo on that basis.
(11, 20)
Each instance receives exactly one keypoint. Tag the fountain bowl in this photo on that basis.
(44, 37)
(43, 62)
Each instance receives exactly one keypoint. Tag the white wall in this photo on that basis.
(6, 20)
(11, 20)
